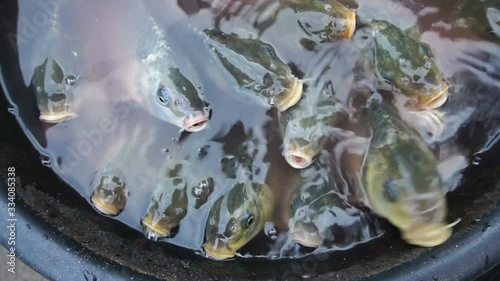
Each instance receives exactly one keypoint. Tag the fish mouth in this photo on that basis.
(54, 118)
(428, 235)
(105, 208)
(218, 253)
(438, 100)
(154, 229)
(298, 159)
(196, 122)
(292, 96)
(350, 24)
(307, 238)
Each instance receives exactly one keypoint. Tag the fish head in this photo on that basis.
(110, 195)
(427, 235)
(167, 210)
(256, 66)
(178, 99)
(236, 218)
(53, 88)
(409, 65)
(307, 234)
(411, 198)
(324, 21)
(303, 140)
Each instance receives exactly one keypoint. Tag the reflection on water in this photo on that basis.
(154, 121)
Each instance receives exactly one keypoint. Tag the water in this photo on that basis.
(112, 131)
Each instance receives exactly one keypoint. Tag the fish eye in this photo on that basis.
(162, 96)
(426, 50)
(250, 220)
(178, 103)
(268, 50)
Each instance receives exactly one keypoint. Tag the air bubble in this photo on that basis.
(11, 110)
(70, 80)
(305, 196)
(198, 191)
(270, 230)
(257, 87)
(301, 213)
(178, 211)
(476, 159)
(45, 161)
(203, 184)
(28, 226)
(274, 66)
(272, 101)
(152, 235)
(427, 64)
(203, 151)
(328, 7)
(323, 36)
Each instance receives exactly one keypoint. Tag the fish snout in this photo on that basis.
(156, 229)
(291, 96)
(219, 253)
(307, 234)
(196, 122)
(427, 235)
(438, 99)
(111, 205)
(298, 159)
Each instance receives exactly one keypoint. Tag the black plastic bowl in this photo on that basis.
(59, 235)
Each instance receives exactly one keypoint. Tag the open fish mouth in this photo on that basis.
(105, 208)
(428, 235)
(298, 159)
(219, 253)
(292, 96)
(306, 238)
(153, 229)
(54, 118)
(195, 123)
(438, 100)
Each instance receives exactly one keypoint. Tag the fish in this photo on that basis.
(320, 217)
(409, 65)
(236, 218)
(124, 170)
(256, 68)
(323, 20)
(307, 125)
(57, 68)
(244, 203)
(171, 89)
(110, 194)
(180, 189)
(401, 179)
